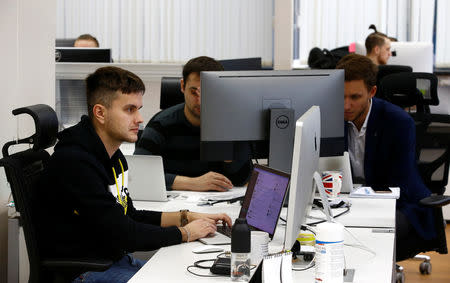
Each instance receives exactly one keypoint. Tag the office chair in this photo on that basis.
(170, 92)
(23, 170)
(385, 70)
(410, 89)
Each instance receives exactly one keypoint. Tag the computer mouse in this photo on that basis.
(203, 249)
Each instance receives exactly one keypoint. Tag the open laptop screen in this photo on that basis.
(264, 198)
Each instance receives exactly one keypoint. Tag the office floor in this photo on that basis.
(440, 267)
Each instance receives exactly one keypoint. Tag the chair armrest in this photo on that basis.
(435, 201)
(77, 264)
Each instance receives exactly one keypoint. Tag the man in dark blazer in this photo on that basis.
(381, 141)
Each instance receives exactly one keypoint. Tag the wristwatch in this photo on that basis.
(184, 217)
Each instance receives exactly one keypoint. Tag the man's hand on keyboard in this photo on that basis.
(216, 218)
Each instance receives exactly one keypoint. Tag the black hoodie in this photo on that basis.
(79, 211)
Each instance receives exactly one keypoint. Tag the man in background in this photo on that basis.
(378, 47)
(174, 134)
(86, 40)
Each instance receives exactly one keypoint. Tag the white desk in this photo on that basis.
(169, 264)
(379, 213)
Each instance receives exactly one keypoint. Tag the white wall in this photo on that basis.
(27, 76)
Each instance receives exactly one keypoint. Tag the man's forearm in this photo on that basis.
(183, 183)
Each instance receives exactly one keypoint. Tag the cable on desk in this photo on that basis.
(197, 264)
(334, 217)
(310, 265)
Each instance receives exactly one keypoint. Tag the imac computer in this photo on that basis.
(304, 165)
(417, 55)
(80, 54)
(252, 114)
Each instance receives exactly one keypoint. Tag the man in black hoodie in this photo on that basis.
(85, 208)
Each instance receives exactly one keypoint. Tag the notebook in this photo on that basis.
(146, 178)
(262, 203)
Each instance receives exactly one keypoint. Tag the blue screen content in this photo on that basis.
(266, 200)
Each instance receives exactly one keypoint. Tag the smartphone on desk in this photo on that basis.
(381, 189)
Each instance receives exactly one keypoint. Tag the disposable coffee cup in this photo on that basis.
(332, 182)
(259, 246)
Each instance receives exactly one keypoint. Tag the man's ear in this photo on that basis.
(373, 90)
(182, 85)
(376, 50)
(99, 113)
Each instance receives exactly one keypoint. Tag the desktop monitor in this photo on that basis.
(236, 108)
(418, 55)
(80, 54)
(304, 163)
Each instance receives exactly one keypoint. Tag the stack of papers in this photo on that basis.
(368, 192)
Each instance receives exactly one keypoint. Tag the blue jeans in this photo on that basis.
(120, 272)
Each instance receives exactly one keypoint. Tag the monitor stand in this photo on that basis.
(281, 138)
(323, 196)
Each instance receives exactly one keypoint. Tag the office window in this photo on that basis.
(335, 23)
(172, 31)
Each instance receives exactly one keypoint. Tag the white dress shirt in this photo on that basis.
(356, 146)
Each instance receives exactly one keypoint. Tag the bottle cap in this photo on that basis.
(240, 236)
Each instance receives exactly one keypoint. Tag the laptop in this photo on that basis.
(262, 203)
(146, 178)
(339, 163)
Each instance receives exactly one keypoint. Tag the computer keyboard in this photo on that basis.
(224, 229)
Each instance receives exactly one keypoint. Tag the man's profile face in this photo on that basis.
(122, 118)
(191, 90)
(356, 100)
(385, 52)
(84, 43)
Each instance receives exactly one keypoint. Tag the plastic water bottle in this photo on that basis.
(240, 251)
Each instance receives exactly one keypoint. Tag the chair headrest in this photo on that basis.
(170, 92)
(46, 125)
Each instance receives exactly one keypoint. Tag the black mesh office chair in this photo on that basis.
(432, 147)
(23, 170)
(385, 70)
(410, 89)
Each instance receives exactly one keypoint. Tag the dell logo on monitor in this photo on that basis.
(282, 122)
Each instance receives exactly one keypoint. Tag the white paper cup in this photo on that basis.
(259, 246)
(332, 182)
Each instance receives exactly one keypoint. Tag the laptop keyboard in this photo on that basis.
(224, 229)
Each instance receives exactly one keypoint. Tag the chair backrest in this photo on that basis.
(433, 149)
(170, 92)
(23, 171)
(409, 89)
(385, 70)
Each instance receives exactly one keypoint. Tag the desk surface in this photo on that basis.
(169, 264)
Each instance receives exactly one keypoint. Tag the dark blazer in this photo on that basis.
(390, 160)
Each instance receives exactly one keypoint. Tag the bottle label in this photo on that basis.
(329, 261)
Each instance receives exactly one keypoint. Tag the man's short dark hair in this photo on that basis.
(375, 39)
(358, 67)
(87, 36)
(103, 85)
(199, 64)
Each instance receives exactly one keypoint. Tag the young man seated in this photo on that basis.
(381, 139)
(174, 133)
(378, 47)
(85, 208)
